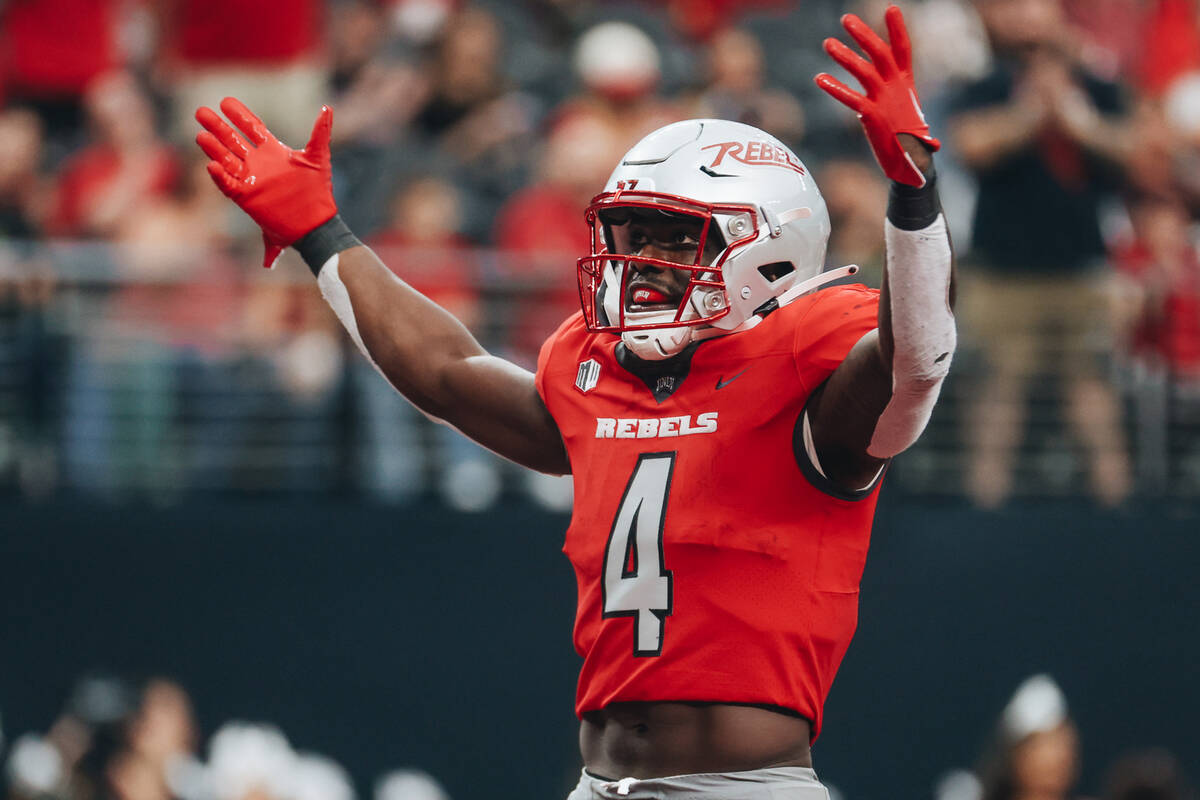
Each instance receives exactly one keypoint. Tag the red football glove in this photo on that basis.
(890, 106)
(287, 192)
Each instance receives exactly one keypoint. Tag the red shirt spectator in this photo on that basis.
(544, 219)
(266, 53)
(213, 32)
(421, 244)
(127, 164)
(88, 176)
(1165, 265)
(1113, 33)
(1170, 44)
(180, 283)
(54, 48)
(541, 230)
(439, 269)
(701, 19)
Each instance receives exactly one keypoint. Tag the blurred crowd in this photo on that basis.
(143, 353)
(1035, 753)
(115, 740)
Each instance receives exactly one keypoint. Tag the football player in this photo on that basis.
(726, 421)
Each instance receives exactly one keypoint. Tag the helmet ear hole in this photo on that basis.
(777, 270)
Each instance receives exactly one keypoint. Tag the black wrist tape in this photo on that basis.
(323, 242)
(912, 208)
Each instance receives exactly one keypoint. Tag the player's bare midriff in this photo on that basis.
(653, 740)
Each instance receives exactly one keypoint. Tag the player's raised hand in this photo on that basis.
(888, 105)
(287, 192)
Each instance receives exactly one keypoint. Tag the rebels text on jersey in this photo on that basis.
(709, 567)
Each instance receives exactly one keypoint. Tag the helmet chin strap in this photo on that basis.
(816, 282)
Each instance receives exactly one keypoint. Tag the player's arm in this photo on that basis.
(878, 401)
(427, 354)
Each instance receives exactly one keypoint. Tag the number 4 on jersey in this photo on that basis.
(636, 581)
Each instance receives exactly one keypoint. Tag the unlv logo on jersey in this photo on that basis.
(588, 374)
(755, 153)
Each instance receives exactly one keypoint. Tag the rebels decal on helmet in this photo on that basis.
(756, 154)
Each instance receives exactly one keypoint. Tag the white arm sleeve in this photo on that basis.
(918, 274)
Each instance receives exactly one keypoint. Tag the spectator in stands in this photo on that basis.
(91, 734)
(33, 769)
(1111, 34)
(1043, 137)
(179, 324)
(425, 248)
(267, 52)
(737, 90)
(125, 167)
(1169, 45)
(618, 66)
(378, 87)
(120, 385)
(27, 287)
(423, 237)
(541, 232)
(473, 119)
(316, 777)
(23, 187)
(1161, 264)
(1171, 163)
(128, 775)
(417, 23)
(950, 46)
(855, 196)
(53, 50)
(409, 784)
(702, 19)
(1160, 325)
(167, 332)
(1147, 775)
(249, 761)
(1035, 752)
(174, 254)
(471, 111)
(163, 730)
(376, 90)
(293, 370)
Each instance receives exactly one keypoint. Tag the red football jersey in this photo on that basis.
(711, 566)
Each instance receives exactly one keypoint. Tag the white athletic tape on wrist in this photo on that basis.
(918, 274)
(338, 298)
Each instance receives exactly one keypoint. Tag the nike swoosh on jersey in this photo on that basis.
(722, 384)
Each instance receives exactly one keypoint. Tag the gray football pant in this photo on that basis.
(773, 783)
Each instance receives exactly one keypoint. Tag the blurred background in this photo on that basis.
(235, 565)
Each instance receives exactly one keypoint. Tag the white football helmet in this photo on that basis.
(750, 192)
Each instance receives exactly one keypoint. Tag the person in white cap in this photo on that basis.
(1035, 754)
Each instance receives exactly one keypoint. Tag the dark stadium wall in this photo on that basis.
(414, 636)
